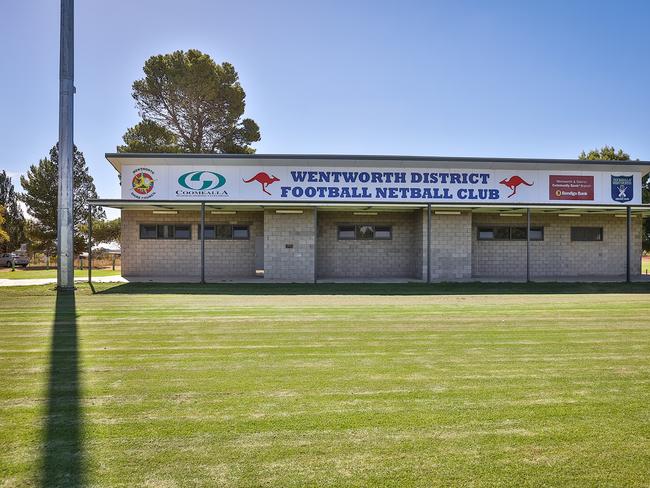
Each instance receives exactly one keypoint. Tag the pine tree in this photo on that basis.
(41, 197)
(14, 218)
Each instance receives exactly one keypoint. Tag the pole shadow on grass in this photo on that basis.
(63, 449)
(473, 288)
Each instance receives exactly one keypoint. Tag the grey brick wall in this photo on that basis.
(182, 258)
(289, 246)
(451, 247)
(556, 255)
(291, 250)
(394, 258)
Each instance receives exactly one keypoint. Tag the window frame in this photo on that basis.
(218, 236)
(576, 238)
(355, 230)
(492, 228)
(171, 236)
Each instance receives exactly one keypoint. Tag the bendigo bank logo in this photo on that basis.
(142, 183)
(201, 183)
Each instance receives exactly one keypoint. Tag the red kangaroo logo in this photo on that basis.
(263, 179)
(513, 182)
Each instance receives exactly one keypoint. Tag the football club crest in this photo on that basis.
(622, 188)
(142, 183)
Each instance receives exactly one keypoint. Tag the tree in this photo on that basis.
(149, 137)
(41, 197)
(14, 219)
(608, 153)
(105, 231)
(191, 104)
(4, 236)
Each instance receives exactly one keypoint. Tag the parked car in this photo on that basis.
(7, 258)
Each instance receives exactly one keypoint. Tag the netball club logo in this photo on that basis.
(142, 183)
(622, 188)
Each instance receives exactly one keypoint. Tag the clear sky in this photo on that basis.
(447, 78)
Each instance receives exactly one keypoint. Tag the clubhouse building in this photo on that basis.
(307, 218)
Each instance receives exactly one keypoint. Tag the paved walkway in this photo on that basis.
(51, 281)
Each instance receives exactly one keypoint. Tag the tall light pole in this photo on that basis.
(65, 249)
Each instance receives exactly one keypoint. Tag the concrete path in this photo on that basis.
(51, 281)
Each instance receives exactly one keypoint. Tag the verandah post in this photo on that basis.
(628, 253)
(528, 245)
(202, 236)
(428, 243)
(90, 243)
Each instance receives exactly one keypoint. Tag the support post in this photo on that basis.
(528, 245)
(315, 245)
(202, 236)
(64, 243)
(429, 243)
(90, 243)
(628, 250)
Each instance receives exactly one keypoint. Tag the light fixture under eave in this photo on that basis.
(165, 212)
(622, 216)
(287, 211)
(569, 215)
(364, 213)
(223, 212)
(446, 212)
(510, 215)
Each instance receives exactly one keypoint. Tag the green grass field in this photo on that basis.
(325, 385)
(25, 274)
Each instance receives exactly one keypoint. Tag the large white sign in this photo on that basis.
(416, 185)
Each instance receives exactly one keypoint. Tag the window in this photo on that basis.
(240, 232)
(165, 231)
(226, 232)
(182, 232)
(346, 232)
(502, 233)
(586, 233)
(364, 232)
(383, 232)
(148, 231)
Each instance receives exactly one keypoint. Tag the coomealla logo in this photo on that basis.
(199, 183)
(143, 183)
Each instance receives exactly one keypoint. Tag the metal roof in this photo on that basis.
(383, 160)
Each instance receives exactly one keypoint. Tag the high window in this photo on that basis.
(364, 232)
(224, 232)
(503, 233)
(586, 233)
(165, 231)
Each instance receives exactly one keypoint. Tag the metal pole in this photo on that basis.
(202, 232)
(428, 243)
(628, 253)
(315, 245)
(90, 243)
(528, 245)
(65, 248)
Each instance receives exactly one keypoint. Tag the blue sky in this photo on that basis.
(447, 78)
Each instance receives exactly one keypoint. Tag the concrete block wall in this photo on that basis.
(556, 255)
(182, 258)
(451, 247)
(394, 258)
(289, 246)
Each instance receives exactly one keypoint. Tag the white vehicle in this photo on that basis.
(18, 260)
